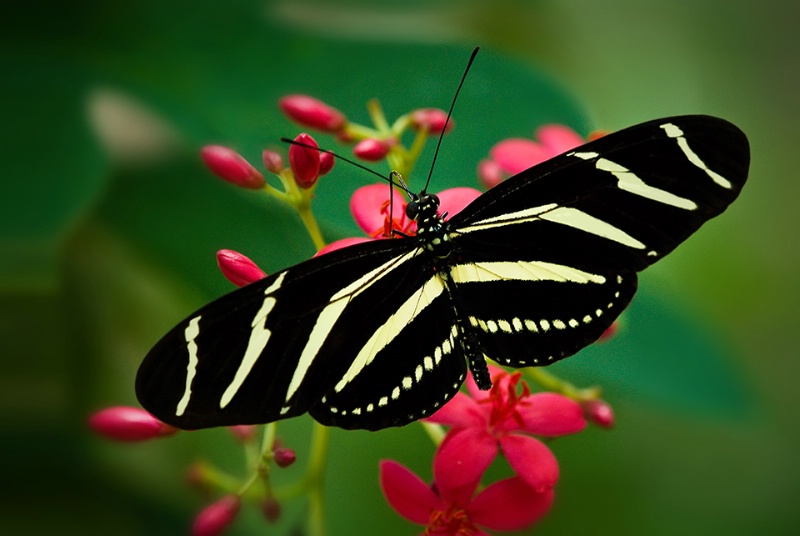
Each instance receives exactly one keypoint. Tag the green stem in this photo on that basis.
(311, 226)
(551, 382)
(315, 477)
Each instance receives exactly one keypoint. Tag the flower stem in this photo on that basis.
(311, 226)
(551, 382)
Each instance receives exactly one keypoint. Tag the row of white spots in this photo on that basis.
(190, 334)
(674, 132)
(517, 325)
(407, 383)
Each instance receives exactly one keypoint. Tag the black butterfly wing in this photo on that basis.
(271, 350)
(548, 259)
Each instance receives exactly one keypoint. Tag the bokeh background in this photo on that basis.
(109, 224)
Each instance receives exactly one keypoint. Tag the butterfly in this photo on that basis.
(383, 333)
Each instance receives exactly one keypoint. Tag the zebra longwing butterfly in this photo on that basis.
(383, 333)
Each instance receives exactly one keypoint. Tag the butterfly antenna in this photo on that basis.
(449, 113)
(340, 157)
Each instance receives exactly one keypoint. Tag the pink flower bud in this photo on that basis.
(326, 161)
(490, 173)
(237, 268)
(304, 161)
(217, 516)
(371, 149)
(311, 112)
(125, 423)
(271, 509)
(284, 457)
(431, 119)
(599, 412)
(272, 161)
(243, 432)
(230, 166)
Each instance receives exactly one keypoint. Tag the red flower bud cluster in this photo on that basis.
(306, 162)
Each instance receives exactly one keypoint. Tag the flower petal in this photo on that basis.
(558, 139)
(509, 505)
(531, 460)
(461, 412)
(551, 414)
(367, 206)
(518, 154)
(460, 462)
(495, 372)
(453, 200)
(406, 493)
(343, 243)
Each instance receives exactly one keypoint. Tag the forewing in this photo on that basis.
(270, 350)
(548, 259)
(617, 204)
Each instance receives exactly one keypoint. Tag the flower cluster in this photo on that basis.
(508, 420)
(485, 423)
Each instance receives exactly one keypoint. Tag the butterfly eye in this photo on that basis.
(412, 210)
(434, 200)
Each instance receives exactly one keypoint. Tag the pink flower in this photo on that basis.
(449, 508)
(125, 423)
(311, 112)
(514, 155)
(370, 208)
(230, 166)
(237, 268)
(502, 419)
(216, 517)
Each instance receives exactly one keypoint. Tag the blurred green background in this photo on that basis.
(109, 224)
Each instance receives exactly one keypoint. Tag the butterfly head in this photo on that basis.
(422, 207)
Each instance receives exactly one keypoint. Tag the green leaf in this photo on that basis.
(663, 357)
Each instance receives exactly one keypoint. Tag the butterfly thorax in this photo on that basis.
(432, 229)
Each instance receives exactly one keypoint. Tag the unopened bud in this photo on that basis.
(216, 517)
(311, 112)
(284, 457)
(230, 166)
(273, 162)
(326, 162)
(599, 412)
(237, 268)
(304, 160)
(431, 119)
(371, 149)
(125, 423)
